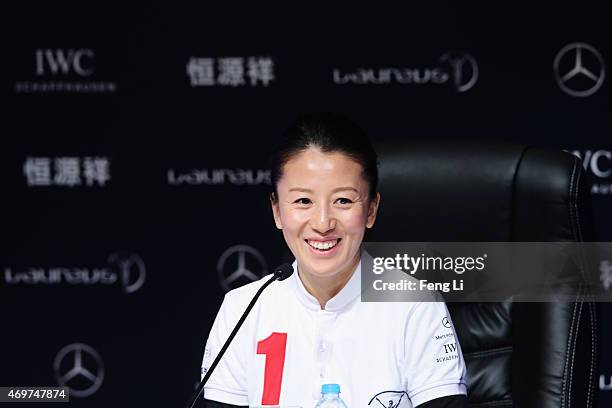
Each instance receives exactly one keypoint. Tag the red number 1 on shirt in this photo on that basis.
(273, 347)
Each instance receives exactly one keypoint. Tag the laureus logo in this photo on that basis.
(464, 70)
(458, 69)
(131, 268)
(125, 269)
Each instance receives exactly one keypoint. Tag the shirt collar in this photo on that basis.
(347, 294)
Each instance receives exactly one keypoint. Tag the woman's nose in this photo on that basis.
(323, 220)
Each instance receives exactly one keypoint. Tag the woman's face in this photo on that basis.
(323, 210)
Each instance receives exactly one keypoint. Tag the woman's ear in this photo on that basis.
(373, 210)
(276, 211)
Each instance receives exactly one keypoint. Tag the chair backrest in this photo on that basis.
(521, 354)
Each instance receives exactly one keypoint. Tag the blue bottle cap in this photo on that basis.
(330, 389)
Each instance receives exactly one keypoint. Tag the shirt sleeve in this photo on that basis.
(227, 384)
(452, 401)
(434, 365)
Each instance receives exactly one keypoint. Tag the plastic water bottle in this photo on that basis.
(330, 397)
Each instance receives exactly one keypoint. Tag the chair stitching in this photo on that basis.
(570, 194)
(580, 237)
(569, 339)
(565, 365)
(590, 392)
(575, 203)
(571, 373)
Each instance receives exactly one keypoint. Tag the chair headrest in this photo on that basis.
(474, 190)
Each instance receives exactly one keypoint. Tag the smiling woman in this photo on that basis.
(312, 328)
(323, 203)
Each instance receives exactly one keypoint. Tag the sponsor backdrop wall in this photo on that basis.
(135, 144)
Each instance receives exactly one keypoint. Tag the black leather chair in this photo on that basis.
(517, 354)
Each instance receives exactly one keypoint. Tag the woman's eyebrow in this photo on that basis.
(303, 190)
(335, 190)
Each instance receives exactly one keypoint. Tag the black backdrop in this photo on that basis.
(135, 143)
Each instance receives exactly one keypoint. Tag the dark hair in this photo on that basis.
(329, 132)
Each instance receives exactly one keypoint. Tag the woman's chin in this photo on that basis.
(322, 268)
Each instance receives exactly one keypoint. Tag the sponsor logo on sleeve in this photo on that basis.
(388, 399)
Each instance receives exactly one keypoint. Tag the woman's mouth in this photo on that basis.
(323, 246)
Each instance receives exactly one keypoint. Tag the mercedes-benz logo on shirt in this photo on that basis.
(579, 69)
(445, 322)
(79, 367)
(240, 264)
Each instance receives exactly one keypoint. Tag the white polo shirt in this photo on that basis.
(382, 355)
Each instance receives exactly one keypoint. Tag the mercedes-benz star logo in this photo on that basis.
(579, 69)
(445, 322)
(79, 367)
(234, 274)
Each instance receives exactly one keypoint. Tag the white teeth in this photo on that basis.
(323, 245)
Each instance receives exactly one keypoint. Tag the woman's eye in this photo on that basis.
(344, 201)
(303, 201)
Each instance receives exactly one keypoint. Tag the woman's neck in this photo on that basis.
(325, 288)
